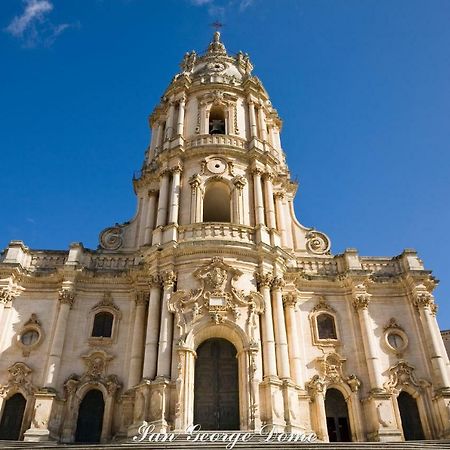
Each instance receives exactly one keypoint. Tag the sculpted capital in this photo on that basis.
(66, 297)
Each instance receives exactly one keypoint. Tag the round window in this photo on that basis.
(30, 337)
(395, 340)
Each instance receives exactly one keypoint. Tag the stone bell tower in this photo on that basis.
(214, 305)
(215, 167)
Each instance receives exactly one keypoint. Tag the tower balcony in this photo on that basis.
(216, 231)
(222, 140)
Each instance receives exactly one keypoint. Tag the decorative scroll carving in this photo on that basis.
(392, 324)
(107, 302)
(331, 372)
(96, 373)
(317, 243)
(111, 238)
(18, 380)
(403, 374)
(217, 296)
(323, 306)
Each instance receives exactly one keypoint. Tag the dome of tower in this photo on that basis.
(216, 65)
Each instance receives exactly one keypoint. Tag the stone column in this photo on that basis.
(269, 203)
(151, 341)
(66, 300)
(143, 218)
(281, 345)
(238, 201)
(320, 419)
(108, 414)
(279, 196)
(268, 340)
(361, 303)
(262, 124)
(153, 140)
(181, 110)
(166, 328)
(425, 305)
(252, 119)
(159, 137)
(151, 216)
(290, 304)
(170, 121)
(259, 203)
(196, 199)
(175, 195)
(162, 206)
(137, 347)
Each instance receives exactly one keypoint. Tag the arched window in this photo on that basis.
(103, 322)
(216, 203)
(217, 120)
(326, 328)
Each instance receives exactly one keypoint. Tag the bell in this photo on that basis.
(217, 127)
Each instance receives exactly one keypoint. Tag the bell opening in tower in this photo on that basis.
(217, 120)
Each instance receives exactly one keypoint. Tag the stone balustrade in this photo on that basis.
(216, 231)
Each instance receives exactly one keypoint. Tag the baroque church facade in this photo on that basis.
(214, 305)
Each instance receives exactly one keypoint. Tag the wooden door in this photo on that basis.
(216, 396)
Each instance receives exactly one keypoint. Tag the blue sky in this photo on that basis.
(362, 86)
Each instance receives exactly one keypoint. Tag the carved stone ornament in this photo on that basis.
(393, 324)
(323, 306)
(66, 296)
(217, 297)
(18, 380)
(317, 243)
(331, 372)
(106, 303)
(361, 301)
(403, 374)
(111, 238)
(7, 294)
(95, 374)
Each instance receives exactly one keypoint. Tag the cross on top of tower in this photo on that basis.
(217, 25)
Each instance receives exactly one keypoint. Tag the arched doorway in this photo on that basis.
(12, 417)
(337, 416)
(90, 417)
(409, 413)
(216, 395)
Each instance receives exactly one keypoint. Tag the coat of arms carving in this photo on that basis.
(218, 297)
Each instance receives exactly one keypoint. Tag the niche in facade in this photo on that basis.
(217, 120)
(216, 203)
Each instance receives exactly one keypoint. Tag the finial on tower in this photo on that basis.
(216, 47)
